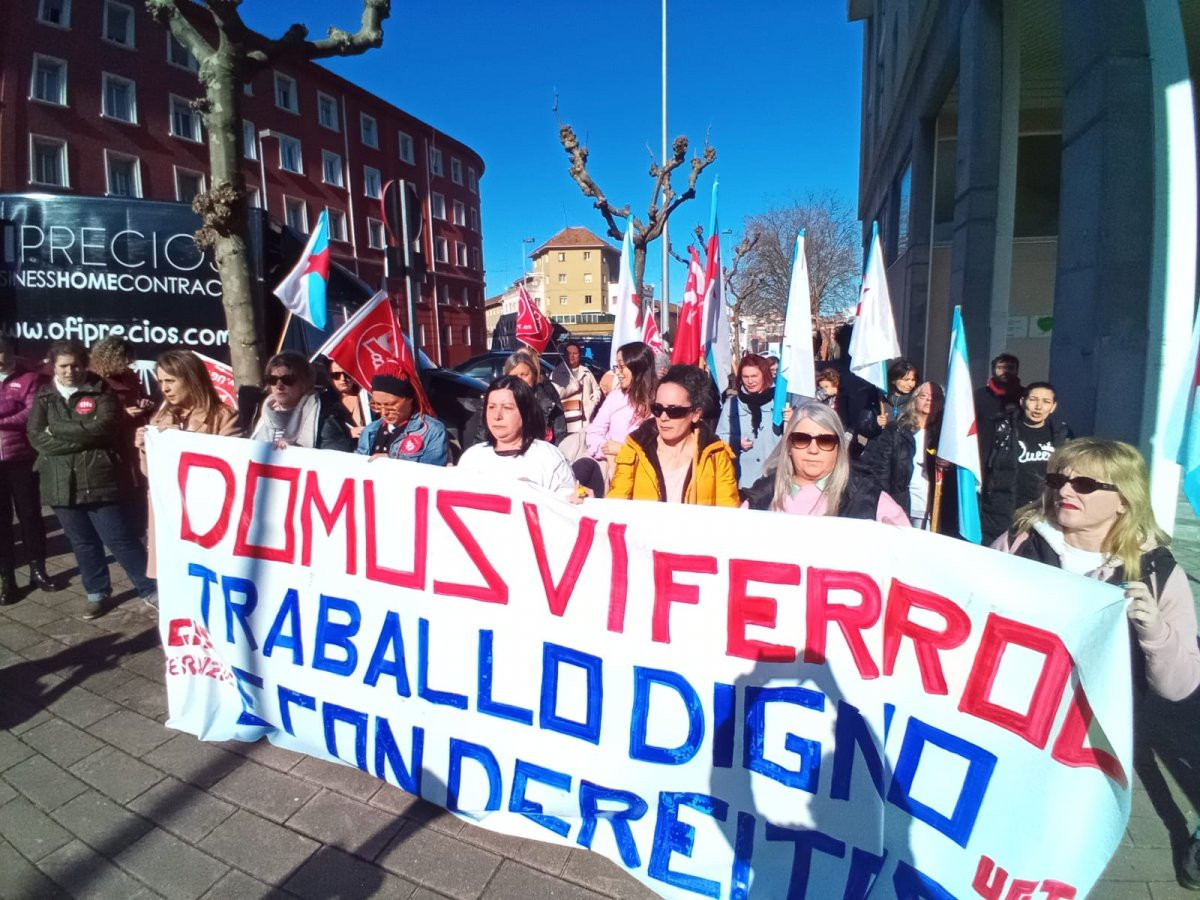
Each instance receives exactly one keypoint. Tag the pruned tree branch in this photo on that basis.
(170, 15)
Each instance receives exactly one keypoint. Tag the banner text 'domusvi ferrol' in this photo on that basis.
(725, 702)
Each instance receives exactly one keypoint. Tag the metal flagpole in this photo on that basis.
(666, 236)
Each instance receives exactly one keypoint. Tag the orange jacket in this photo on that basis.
(638, 476)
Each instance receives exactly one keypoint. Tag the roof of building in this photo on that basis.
(575, 236)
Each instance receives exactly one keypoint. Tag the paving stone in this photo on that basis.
(601, 874)
(9, 657)
(30, 830)
(197, 762)
(333, 873)
(12, 750)
(149, 664)
(182, 809)
(32, 614)
(348, 780)
(71, 629)
(516, 880)
(171, 867)
(16, 636)
(541, 855)
(1140, 864)
(101, 824)
(391, 798)
(264, 791)
(1119, 890)
(430, 815)
(257, 845)
(44, 783)
(21, 878)
(240, 886)
(141, 695)
(265, 753)
(7, 792)
(132, 732)
(85, 873)
(1148, 831)
(424, 893)
(117, 774)
(20, 716)
(62, 742)
(1169, 890)
(105, 681)
(81, 707)
(46, 650)
(346, 823)
(422, 855)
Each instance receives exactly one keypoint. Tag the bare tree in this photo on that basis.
(833, 246)
(229, 54)
(646, 232)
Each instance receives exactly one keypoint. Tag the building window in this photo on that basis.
(55, 12)
(587, 254)
(286, 96)
(179, 55)
(247, 89)
(467, 334)
(474, 219)
(441, 250)
(562, 257)
(466, 301)
(255, 198)
(337, 225)
(249, 141)
(460, 213)
(124, 175)
(372, 182)
(447, 335)
(406, 147)
(118, 23)
(438, 205)
(369, 130)
(289, 155)
(562, 299)
(49, 80)
(476, 259)
(48, 161)
(375, 238)
(188, 184)
(435, 161)
(587, 277)
(185, 121)
(331, 168)
(327, 112)
(420, 334)
(118, 99)
(562, 277)
(460, 254)
(295, 214)
(455, 170)
(472, 180)
(443, 295)
(587, 299)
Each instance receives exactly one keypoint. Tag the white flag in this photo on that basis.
(873, 341)
(628, 305)
(796, 374)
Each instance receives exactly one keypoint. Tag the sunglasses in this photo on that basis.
(672, 412)
(285, 380)
(800, 440)
(1081, 483)
(338, 376)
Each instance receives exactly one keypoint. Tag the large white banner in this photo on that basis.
(727, 703)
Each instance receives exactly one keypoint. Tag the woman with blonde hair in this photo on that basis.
(526, 364)
(1094, 518)
(810, 473)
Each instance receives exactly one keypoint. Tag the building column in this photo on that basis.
(980, 118)
(1106, 218)
(1006, 186)
(920, 234)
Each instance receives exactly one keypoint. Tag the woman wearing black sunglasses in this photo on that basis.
(673, 457)
(294, 414)
(1094, 518)
(810, 473)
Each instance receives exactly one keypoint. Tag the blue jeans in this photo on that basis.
(92, 526)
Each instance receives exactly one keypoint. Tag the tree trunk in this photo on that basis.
(639, 267)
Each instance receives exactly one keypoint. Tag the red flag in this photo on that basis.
(222, 379)
(533, 328)
(650, 336)
(686, 348)
(370, 339)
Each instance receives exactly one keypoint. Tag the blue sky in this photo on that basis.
(774, 83)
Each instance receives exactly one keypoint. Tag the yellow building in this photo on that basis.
(571, 276)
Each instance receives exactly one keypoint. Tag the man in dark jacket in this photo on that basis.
(1001, 394)
(1014, 464)
(19, 384)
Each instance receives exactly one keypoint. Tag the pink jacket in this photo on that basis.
(1172, 659)
(615, 421)
(16, 400)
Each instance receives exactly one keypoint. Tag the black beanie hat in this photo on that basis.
(392, 384)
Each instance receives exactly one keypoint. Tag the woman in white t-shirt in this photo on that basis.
(513, 446)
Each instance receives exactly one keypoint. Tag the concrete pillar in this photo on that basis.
(1006, 187)
(973, 260)
(1106, 218)
(920, 234)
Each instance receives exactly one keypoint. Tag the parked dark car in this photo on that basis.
(490, 366)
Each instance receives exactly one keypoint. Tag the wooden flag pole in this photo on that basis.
(936, 514)
(287, 320)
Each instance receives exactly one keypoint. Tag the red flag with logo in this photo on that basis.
(370, 340)
(221, 376)
(650, 336)
(686, 349)
(533, 328)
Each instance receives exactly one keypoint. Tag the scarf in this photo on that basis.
(756, 402)
(297, 425)
(1011, 395)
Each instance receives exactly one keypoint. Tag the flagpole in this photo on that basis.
(287, 320)
(666, 236)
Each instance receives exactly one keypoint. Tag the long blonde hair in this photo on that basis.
(1116, 463)
(780, 460)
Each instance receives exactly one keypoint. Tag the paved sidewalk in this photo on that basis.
(98, 799)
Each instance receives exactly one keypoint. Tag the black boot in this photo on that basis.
(40, 580)
(8, 588)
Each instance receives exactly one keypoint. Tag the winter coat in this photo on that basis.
(224, 422)
(77, 440)
(422, 440)
(998, 505)
(860, 501)
(17, 393)
(637, 474)
(332, 428)
(1168, 664)
(735, 425)
(615, 420)
(889, 460)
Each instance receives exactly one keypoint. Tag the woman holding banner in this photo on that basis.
(294, 413)
(674, 457)
(1094, 519)
(514, 447)
(401, 432)
(810, 473)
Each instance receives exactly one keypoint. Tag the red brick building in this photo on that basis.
(95, 100)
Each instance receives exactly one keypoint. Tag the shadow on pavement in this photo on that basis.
(1167, 738)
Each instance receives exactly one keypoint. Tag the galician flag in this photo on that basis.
(627, 325)
(686, 348)
(796, 371)
(1189, 446)
(959, 442)
(873, 340)
(715, 336)
(303, 291)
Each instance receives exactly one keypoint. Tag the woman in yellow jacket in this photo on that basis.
(673, 457)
